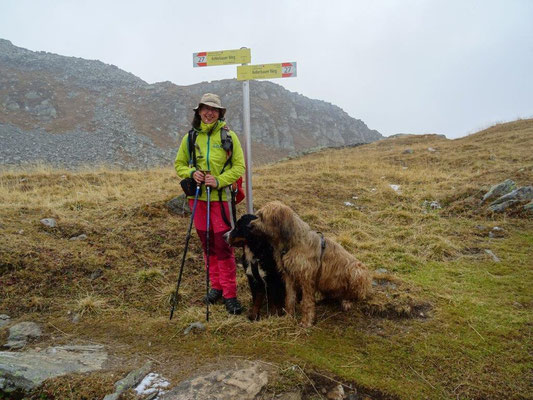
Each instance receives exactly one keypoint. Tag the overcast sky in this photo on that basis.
(418, 66)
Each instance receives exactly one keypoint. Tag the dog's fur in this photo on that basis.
(297, 250)
(264, 278)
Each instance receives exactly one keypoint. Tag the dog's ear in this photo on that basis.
(280, 219)
(286, 224)
(249, 220)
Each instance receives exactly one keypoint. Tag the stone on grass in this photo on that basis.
(408, 151)
(524, 193)
(131, 380)
(501, 207)
(337, 393)
(4, 320)
(49, 222)
(21, 333)
(244, 381)
(83, 236)
(178, 205)
(26, 370)
(195, 325)
(496, 232)
(492, 255)
(499, 190)
(433, 205)
(396, 188)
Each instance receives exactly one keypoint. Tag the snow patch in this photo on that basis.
(152, 383)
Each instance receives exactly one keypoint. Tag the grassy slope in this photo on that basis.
(476, 342)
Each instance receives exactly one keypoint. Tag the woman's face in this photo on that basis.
(209, 114)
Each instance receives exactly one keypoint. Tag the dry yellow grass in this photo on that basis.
(445, 322)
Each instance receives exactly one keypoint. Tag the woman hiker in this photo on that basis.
(209, 127)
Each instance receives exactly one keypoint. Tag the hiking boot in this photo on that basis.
(213, 296)
(233, 306)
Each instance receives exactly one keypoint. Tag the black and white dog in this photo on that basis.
(260, 267)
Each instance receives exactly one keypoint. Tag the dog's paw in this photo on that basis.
(306, 324)
(253, 316)
(346, 305)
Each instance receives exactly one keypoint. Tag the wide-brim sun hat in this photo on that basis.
(211, 100)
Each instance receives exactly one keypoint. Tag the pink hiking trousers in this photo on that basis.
(222, 269)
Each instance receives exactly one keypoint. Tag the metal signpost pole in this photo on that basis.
(248, 144)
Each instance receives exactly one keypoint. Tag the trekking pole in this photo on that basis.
(174, 301)
(208, 189)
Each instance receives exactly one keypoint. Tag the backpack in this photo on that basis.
(236, 190)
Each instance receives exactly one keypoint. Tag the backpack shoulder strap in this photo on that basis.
(227, 144)
(191, 140)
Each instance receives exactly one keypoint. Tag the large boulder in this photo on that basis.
(23, 371)
(524, 193)
(499, 190)
(243, 381)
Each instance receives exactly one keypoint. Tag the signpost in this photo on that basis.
(266, 71)
(245, 73)
(225, 57)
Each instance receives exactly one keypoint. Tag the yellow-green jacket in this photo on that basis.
(210, 156)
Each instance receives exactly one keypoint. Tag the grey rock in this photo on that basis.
(50, 222)
(524, 193)
(501, 207)
(21, 333)
(96, 274)
(131, 380)
(195, 325)
(83, 236)
(13, 106)
(431, 150)
(408, 151)
(433, 205)
(381, 271)
(4, 320)
(242, 382)
(492, 255)
(178, 205)
(499, 190)
(31, 95)
(337, 393)
(27, 370)
(496, 232)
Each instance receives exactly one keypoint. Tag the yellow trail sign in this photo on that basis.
(266, 71)
(224, 57)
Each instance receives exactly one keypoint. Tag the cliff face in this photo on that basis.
(69, 111)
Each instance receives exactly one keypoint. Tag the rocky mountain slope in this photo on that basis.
(69, 112)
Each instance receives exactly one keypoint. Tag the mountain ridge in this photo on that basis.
(117, 118)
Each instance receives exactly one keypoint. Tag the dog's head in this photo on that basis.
(242, 232)
(277, 221)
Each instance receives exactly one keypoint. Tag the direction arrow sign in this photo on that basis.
(224, 57)
(266, 71)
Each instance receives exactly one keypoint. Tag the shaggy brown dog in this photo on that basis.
(309, 262)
